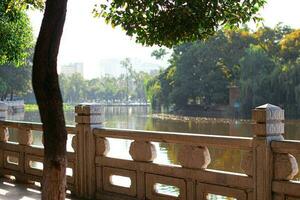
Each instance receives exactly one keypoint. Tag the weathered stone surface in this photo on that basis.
(88, 109)
(4, 134)
(247, 163)
(267, 113)
(24, 137)
(285, 166)
(90, 119)
(102, 147)
(142, 151)
(268, 129)
(194, 157)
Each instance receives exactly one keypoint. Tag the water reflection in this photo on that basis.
(139, 117)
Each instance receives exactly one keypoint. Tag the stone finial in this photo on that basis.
(88, 109)
(267, 113)
(25, 137)
(4, 134)
(194, 157)
(142, 151)
(88, 113)
(102, 147)
(285, 166)
(268, 120)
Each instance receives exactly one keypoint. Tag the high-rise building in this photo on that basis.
(72, 68)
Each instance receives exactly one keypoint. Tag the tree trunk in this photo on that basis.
(46, 88)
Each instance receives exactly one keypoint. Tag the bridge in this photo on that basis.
(268, 161)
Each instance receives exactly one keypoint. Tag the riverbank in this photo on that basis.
(34, 107)
(183, 118)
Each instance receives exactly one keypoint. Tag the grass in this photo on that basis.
(34, 107)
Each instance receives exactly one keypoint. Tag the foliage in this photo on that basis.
(107, 89)
(16, 34)
(159, 53)
(201, 71)
(290, 46)
(15, 81)
(168, 22)
(265, 64)
(34, 107)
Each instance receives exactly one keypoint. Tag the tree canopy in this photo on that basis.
(265, 64)
(16, 34)
(161, 22)
(169, 22)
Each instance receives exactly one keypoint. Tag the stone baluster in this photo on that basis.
(88, 117)
(142, 151)
(263, 164)
(74, 142)
(102, 146)
(4, 136)
(195, 157)
(24, 138)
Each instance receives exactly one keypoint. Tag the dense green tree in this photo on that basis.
(172, 22)
(201, 72)
(106, 89)
(290, 46)
(269, 38)
(256, 78)
(264, 64)
(15, 80)
(16, 34)
(152, 22)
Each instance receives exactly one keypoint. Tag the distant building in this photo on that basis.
(72, 68)
(112, 66)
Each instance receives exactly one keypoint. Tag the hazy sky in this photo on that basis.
(89, 40)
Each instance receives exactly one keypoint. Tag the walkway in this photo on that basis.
(9, 190)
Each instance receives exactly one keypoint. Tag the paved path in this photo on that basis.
(9, 190)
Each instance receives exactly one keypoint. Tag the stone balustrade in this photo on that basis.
(268, 161)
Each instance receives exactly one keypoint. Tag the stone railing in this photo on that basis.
(268, 163)
(22, 159)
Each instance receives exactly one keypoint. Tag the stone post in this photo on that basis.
(268, 126)
(88, 117)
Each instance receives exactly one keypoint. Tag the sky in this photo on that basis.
(90, 40)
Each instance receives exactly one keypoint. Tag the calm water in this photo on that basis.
(140, 118)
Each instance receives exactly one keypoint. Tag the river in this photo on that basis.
(140, 118)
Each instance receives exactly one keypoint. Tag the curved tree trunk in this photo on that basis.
(46, 88)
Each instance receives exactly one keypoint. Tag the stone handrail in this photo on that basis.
(35, 126)
(22, 159)
(244, 143)
(193, 156)
(267, 161)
